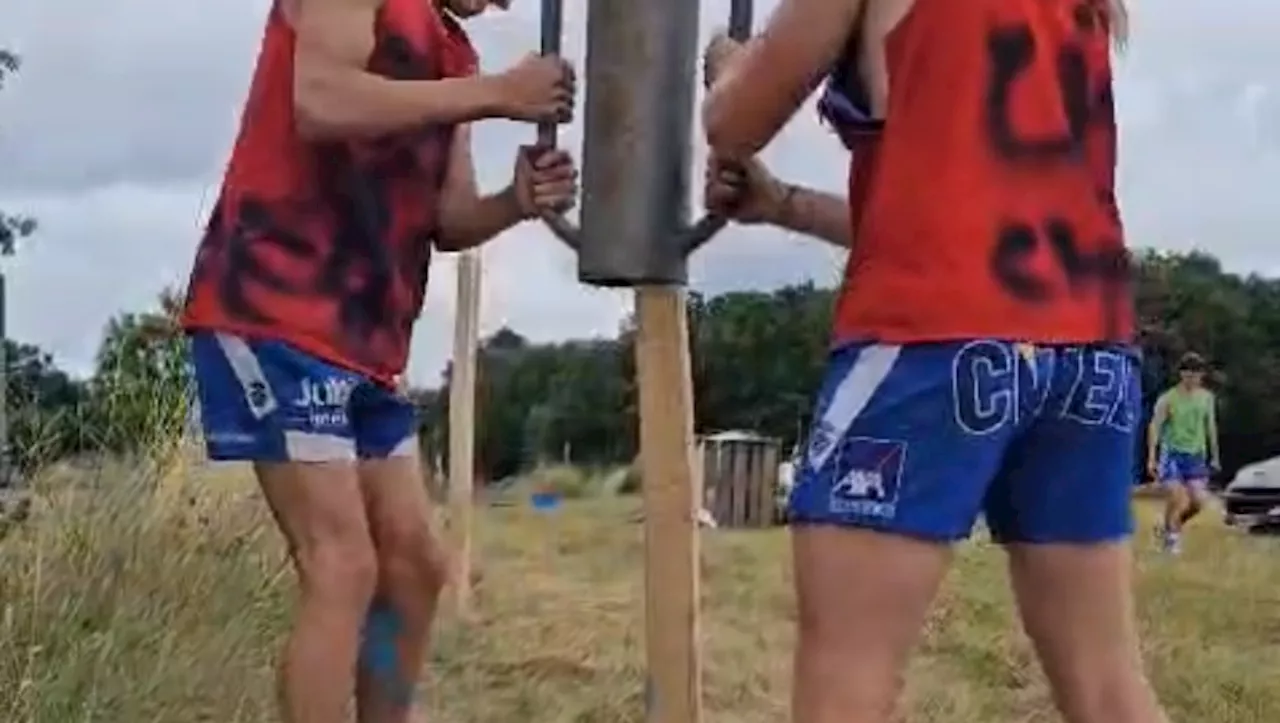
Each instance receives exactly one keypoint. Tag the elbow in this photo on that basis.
(450, 236)
(728, 131)
(448, 243)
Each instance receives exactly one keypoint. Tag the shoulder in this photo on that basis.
(290, 10)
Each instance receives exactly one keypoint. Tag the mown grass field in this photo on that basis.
(124, 604)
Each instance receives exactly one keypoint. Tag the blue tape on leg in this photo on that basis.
(379, 656)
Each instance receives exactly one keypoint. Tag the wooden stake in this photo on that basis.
(674, 685)
(462, 398)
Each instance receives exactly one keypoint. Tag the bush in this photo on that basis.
(567, 481)
(631, 480)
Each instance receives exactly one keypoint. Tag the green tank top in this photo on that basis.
(1186, 424)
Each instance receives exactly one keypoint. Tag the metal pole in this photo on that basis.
(635, 231)
(552, 32)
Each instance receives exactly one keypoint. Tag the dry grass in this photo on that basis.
(121, 605)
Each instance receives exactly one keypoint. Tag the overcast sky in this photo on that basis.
(116, 132)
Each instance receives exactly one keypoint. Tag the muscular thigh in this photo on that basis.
(319, 509)
(1077, 605)
(863, 596)
(391, 476)
(396, 500)
(268, 403)
(904, 442)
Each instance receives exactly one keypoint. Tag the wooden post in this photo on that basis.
(462, 398)
(674, 685)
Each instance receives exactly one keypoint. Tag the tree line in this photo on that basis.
(12, 227)
(134, 403)
(758, 358)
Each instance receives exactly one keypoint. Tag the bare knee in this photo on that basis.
(410, 560)
(338, 569)
(321, 513)
(1199, 498)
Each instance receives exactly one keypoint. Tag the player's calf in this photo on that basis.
(1197, 497)
(411, 576)
(412, 570)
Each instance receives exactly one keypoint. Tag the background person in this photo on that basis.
(1182, 448)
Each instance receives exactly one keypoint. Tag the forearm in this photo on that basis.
(772, 75)
(470, 222)
(815, 213)
(348, 103)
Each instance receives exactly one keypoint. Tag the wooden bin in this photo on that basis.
(740, 478)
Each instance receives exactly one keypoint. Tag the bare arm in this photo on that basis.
(468, 219)
(1158, 417)
(1213, 431)
(754, 98)
(823, 215)
(748, 192)
(336, 97)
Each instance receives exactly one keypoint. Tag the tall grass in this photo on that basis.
(152, 588)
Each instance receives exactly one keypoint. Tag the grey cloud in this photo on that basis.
(134, 91)
(118, 127)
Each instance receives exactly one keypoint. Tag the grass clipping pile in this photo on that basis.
(161, 593)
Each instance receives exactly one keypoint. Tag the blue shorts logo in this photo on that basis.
(869, 477)
(821, 440)
(259, 396)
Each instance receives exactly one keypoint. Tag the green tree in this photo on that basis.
(758, 358)
(139, 394)
(45, 407)
(12, 228)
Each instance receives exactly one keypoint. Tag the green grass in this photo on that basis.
(119, 604)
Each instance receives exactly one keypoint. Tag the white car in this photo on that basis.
(1253, 497)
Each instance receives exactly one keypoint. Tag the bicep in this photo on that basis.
(1160, 411)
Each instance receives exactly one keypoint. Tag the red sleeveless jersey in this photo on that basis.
(984, 205)
(325, 246)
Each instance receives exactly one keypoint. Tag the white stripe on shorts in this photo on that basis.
(851, 397)
(408, 447)
(312, 447)
(244, 365)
